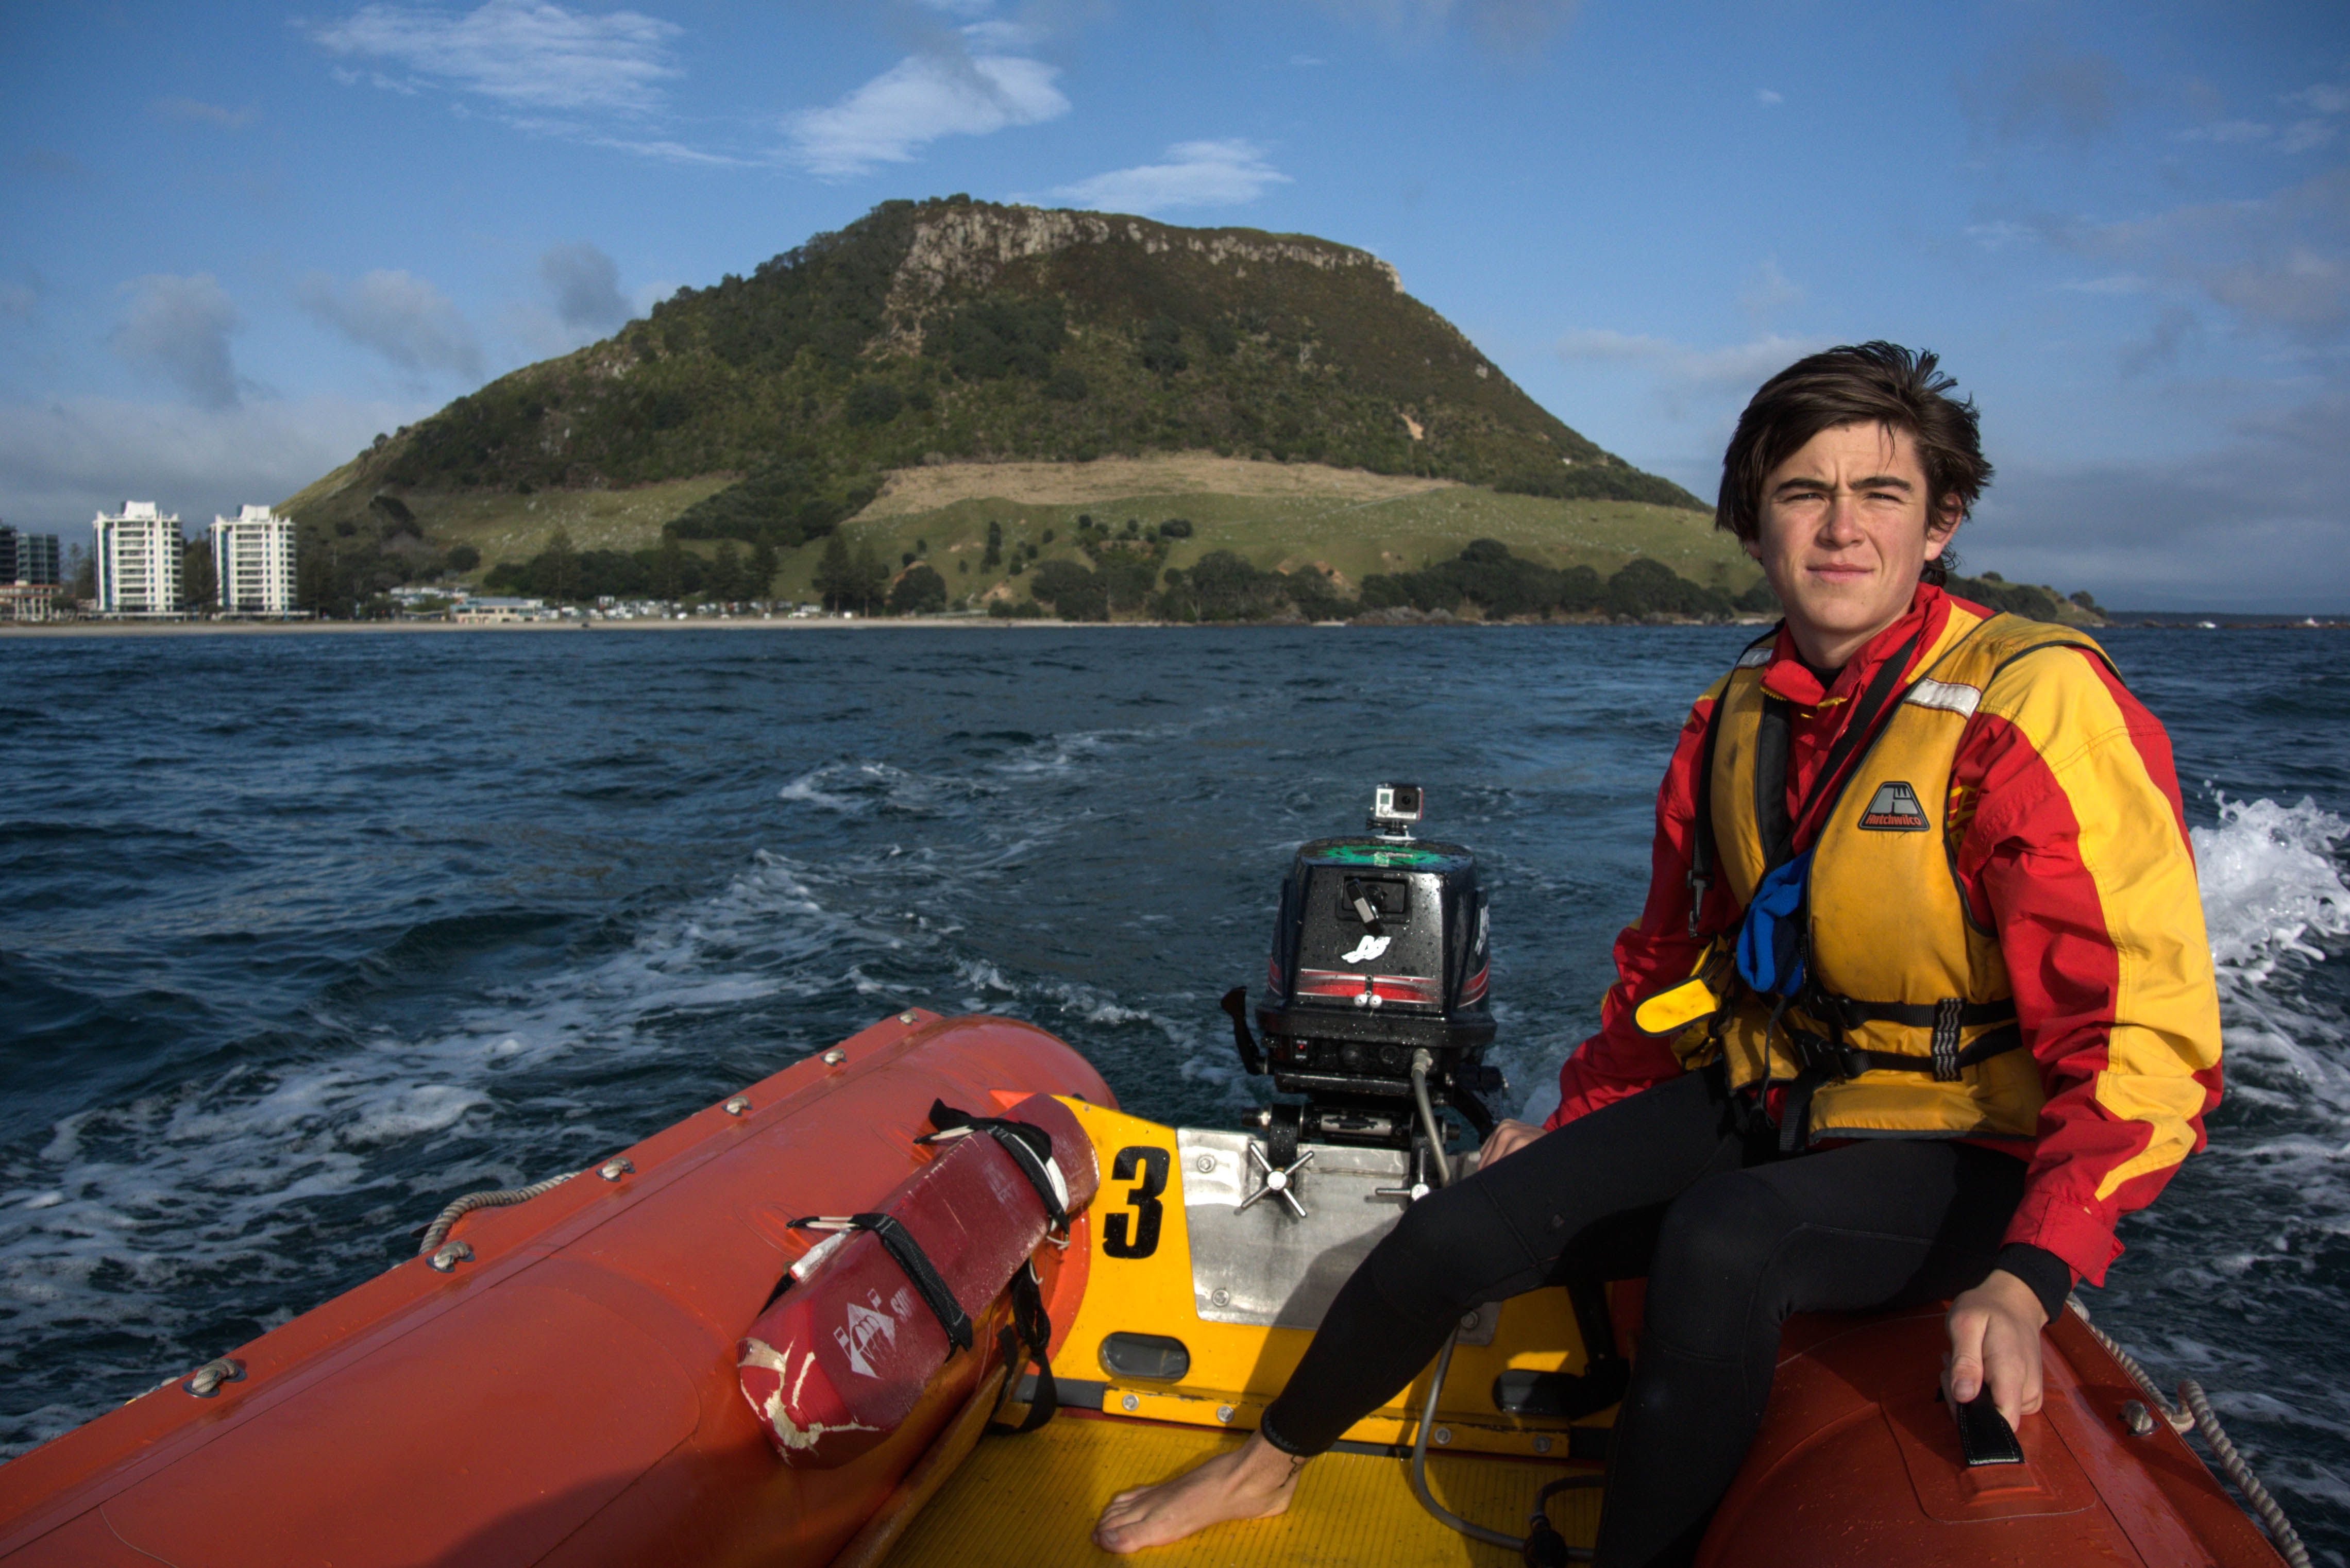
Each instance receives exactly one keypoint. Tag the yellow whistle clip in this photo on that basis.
(1693, 1000)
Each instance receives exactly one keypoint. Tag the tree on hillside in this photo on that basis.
(836, 578)
(560, 570)
(994, 557)
(668, 577)
(763, 570)
(1647, 586)
(725, 582)
(873, 403)
(1162, 346)
(869, 578)
(921, 591)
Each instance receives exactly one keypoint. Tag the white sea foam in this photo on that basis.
(2272, 888)
(122, 1206)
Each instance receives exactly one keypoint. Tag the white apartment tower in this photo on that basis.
(138, 561)
(253, 557)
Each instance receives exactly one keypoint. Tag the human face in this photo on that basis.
(1844, 534)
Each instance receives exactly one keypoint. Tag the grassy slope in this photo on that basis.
(1350, 537)
(1277, 514)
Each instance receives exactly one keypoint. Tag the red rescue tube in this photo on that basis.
(837, 1363)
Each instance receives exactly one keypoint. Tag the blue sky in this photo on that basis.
(242, 239)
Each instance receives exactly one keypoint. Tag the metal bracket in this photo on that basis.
(1419, 1188)
(1280, 1182)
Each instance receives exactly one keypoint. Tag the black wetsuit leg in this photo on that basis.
(1501, 1232)
(1868, 1225)
(1740, 1237)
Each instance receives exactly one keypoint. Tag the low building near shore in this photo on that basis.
(30, 586)
(501, 611)
(29, 558)
(33, 602)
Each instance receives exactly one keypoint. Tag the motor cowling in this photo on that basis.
(845, 1353)
(1379, 952)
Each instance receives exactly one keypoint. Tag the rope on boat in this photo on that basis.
(2194, 1413)
(1445, 1515)
(438, 1232)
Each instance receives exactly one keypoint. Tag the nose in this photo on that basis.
(1840, 521)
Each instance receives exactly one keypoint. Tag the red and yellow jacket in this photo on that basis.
(2067, 845)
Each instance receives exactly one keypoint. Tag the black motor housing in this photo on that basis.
(1378, 951)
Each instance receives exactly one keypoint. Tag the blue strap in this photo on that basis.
(1771, 935)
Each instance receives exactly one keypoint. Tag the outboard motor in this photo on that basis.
(1375, 1008)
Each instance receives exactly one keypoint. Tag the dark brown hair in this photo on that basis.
(1872, 384)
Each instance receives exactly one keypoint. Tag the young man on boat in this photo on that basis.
(1919, 1005)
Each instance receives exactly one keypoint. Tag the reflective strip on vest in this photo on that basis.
(1887, 920)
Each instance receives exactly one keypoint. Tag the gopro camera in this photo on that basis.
(1394, 808)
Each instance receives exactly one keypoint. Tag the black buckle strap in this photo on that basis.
(899, 1243)
(1821, 1061)
(1031, 1326)
(1946, 1040)
(1029, 1146)
(1851, 1013)
(1835, 1061)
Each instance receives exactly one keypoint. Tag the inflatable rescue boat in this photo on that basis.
(929, 1297)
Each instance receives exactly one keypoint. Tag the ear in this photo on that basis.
(1941, 528)
(1753, 547)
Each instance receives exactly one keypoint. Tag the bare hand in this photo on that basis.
(1507, 1137)
(1995, 1338)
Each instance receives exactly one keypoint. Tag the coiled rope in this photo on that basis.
(438, 1232)
(2194, 1413)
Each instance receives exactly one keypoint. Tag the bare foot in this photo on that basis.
(1254, 1481)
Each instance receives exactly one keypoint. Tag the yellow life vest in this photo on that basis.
(1905, 1023)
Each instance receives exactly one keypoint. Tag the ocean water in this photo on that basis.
(301, 937)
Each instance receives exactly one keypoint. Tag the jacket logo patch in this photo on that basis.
(1894, 808)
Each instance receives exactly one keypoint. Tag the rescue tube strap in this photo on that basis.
(899, 1243)
(1029, 1146)
(1031, 1328)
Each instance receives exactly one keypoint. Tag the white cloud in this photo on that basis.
(1768, 98)
(2117, 282)
(179, 327)
(2279, 263)
(401, 317)
(525, 54)
(2303, 134)
(915, 102)
(68, 458)
(1195, 175)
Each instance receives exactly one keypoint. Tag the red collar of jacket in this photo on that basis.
(1784, 676)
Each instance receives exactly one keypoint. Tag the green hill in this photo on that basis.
(773, 408)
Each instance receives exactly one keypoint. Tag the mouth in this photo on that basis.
(1839, 571)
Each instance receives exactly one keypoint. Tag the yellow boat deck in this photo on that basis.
(1031, 1501)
